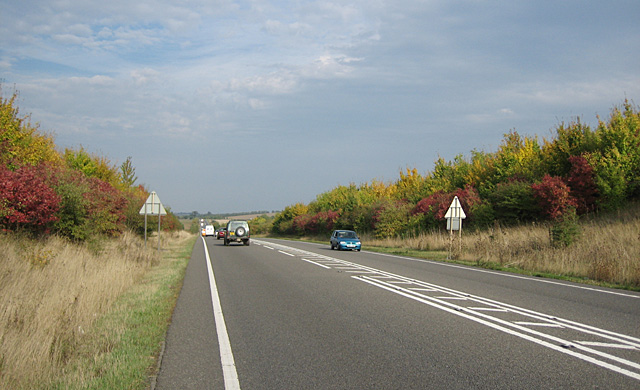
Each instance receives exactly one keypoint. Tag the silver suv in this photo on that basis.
(237, 231)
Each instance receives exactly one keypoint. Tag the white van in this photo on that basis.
(209, 230)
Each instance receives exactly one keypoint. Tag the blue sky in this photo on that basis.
(297, 97)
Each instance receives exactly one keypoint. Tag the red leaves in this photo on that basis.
(317, 223)
(553, 196)
(26, 201)
(582, 184)
(438, 203)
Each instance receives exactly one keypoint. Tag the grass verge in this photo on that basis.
(74, 317)
(126, 343)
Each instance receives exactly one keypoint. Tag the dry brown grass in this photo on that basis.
(607, 250)
(51, 292)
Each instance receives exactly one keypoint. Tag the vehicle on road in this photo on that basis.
(203, 231)
(221, 233)
(345, 239)
(237, 231)
(209, 230)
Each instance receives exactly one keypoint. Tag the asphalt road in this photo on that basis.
(301, 316)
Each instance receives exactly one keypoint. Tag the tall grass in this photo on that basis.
(51, 294)
(606, 250)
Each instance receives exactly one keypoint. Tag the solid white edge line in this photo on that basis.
(226, 355)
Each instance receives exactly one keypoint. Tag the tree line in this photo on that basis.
(73, 193)
(576, 171)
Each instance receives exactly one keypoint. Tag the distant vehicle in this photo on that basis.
(221, 233)
(209, 230)
(203, 231)
(237, 231)
(345, 239)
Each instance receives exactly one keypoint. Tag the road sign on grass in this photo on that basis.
(455, 215)
(153, 206)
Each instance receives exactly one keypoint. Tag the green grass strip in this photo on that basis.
(123, 347)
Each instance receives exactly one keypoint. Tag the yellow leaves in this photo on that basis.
(409, 185)
(92, 166)
(20, 142)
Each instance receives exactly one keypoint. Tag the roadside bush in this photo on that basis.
(171, 223)
(392, 219)
(27, 202)
(554, 197)
(514, 202)
(565, 229)
(88, 206)
(73, 219)
(21, 143)
(261, 224)
(582, 184)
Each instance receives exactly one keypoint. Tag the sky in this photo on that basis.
(227, 106)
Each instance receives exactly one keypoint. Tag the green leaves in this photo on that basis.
(579, 170)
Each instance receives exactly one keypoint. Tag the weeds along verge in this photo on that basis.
(605, 250)
(51, 294)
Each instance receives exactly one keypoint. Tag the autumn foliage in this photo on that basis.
(26, 201)
(73, 194)
(579, 170)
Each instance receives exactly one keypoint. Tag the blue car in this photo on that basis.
(345, 239)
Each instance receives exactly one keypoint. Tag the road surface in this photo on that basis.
(289, 315)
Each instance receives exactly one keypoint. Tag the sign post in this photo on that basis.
(455, 214)
(152, 206)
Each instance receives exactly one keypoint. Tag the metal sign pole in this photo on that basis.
(145, 226)
(159, 219)
(151, 202)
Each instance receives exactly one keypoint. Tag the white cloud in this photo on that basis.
(144, 76)
(94, 80)
(193, 75)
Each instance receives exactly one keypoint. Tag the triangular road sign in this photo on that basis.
(153, 206)
(455, 210)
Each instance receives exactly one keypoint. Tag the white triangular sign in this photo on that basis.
(455, 210)
(153, 206)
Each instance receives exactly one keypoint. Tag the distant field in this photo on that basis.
(187, 222)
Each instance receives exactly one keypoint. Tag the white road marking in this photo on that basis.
(229, 372)
(385, 280)
(318, 264)
(557, 347)
(507, 275)
(606, 345)
(285, 253)
(496, 309)
(547, 324)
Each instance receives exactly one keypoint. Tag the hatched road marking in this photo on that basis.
(520, 322)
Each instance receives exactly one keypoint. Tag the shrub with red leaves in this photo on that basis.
(582, 184)
(438, 203)
(107, 207)
(321, 222)
(554, 196)
(26, 201)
